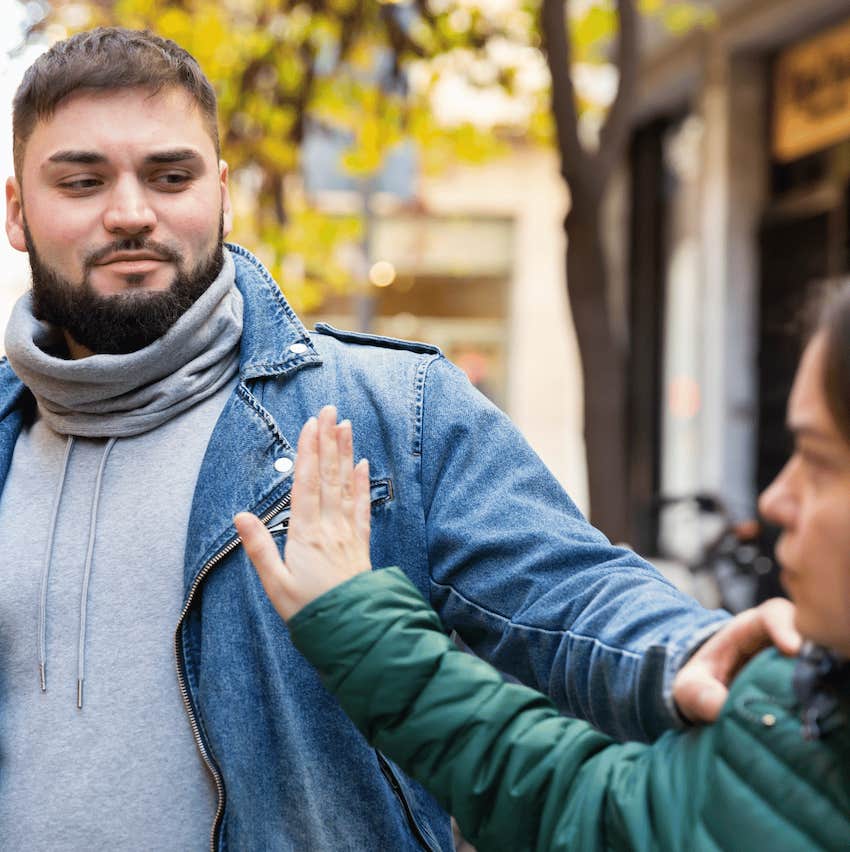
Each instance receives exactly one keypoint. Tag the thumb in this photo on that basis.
(260, 547)
(701, 696)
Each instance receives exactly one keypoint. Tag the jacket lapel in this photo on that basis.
(14, 401)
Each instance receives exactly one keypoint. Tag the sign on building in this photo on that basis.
(812, 95)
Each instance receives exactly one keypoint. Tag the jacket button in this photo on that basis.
(298, 348)
(283, 465)
(768, 720)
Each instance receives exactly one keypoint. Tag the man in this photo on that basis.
(156, 381)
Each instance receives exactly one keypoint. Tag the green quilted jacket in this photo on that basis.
(517, 775)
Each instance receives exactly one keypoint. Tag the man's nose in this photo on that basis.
(128, 209)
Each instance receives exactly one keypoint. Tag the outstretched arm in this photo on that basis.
(328, 543)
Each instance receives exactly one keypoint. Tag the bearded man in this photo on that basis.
(155, 381)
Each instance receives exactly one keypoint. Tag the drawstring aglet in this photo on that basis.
(79, 693)
(42, 672)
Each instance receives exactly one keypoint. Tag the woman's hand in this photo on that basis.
(328, 537)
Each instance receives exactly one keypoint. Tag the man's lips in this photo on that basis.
(132, 262)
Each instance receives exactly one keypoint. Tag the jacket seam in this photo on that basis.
(537, 629)
(419, 405)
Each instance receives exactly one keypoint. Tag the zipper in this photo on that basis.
(181, 678)
(408, 811)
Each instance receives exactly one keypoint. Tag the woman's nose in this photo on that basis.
(777, 503)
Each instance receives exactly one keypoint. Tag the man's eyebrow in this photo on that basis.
(90, 158)
(82, 157)
(177, 155)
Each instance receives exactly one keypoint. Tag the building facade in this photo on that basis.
(737, 191)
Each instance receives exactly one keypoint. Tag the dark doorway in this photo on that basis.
(652, 186)
(802, 245)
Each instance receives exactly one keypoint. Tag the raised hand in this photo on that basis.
(328, 537)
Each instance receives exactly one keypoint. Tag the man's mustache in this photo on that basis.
(135, 245)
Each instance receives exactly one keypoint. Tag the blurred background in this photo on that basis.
(607, 212)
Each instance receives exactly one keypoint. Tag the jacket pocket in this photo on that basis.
(381, 492)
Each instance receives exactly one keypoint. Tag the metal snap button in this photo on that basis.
(768, 720)
(283, 465)
(298, 348)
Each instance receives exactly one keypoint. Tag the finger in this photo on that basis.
(330, 492)
(346, 469)
(260, 547)
(305, 483)
(778, 615)
(700, 696)
(362, 502)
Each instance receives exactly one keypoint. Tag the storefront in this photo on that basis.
(739, 193)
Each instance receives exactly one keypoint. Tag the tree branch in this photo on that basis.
(575, 162)
(615, 130)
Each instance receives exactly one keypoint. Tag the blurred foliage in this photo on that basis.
(376, 71)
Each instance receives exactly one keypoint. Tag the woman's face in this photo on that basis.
(810, 500)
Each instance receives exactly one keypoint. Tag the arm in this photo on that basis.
(566, 577)
(531, 586)
(515, 774)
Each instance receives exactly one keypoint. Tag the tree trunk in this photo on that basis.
(603, 371)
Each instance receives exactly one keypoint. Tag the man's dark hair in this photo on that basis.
(834, 321)
(106, 59)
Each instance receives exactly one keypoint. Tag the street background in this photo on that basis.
(419, 169)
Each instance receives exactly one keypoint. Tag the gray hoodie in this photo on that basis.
(95, 748)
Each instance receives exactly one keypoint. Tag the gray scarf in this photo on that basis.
(118, 396)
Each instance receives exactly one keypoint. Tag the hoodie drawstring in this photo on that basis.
(45, 573)
(84, 594)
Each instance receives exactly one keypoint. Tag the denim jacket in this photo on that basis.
(476, 521)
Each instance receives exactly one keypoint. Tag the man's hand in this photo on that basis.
(328, 538)
(701, 686)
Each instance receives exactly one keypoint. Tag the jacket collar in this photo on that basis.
(11, 389)
(274, 340)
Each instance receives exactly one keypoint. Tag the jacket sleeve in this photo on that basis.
(515, 773)
(530, 585)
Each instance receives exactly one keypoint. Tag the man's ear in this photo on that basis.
(226, 209)
(15, 215)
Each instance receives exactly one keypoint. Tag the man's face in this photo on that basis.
(810, 499)
(122, 205)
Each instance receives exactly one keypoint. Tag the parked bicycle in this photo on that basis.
(736, 557)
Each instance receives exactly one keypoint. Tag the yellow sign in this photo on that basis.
(812, 95)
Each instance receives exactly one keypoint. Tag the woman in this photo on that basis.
(772, 773)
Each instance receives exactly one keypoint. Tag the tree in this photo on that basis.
(588, 173)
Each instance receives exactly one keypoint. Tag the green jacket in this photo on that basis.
(517, 775)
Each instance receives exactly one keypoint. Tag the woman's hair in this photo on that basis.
(833, 319)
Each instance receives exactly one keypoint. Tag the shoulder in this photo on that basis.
(360, 339)
(372, 358)
(760, 748)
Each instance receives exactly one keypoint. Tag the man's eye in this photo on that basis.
(172, 180)
(80, 184)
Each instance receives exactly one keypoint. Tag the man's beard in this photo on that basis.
(126, 322)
